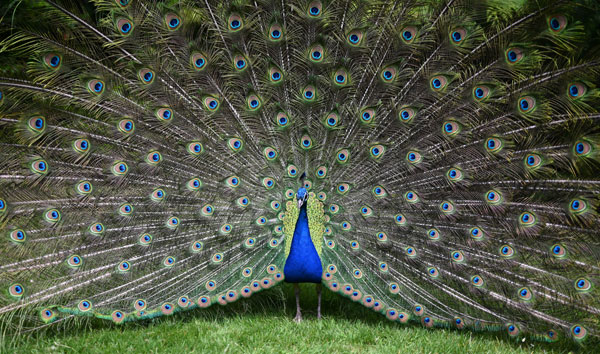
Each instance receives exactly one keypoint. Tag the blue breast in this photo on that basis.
(303, 264)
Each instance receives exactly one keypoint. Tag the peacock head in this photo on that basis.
(301, 196)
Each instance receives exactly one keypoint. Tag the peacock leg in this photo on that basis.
(298, 317)
(318, 286)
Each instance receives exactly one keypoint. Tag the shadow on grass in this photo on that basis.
(276, 302)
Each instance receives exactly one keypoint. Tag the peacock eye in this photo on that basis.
(235, 22)
(53, 61)
(480, 93)
(164, 114)
(37, 124)
(557, 23)
(527, 104)
(533, 161)
(340, 77)
(124, 26)
(406, 114)
(438, 83)
(198, 61)
(409, 34)
(173, 21)
(388, 74)
(254, 102)
(576, 90)
(458, 35)
(316, 54)
(514, 55)
(309, 93)
(211, 103)
(355, 37)
(95, 86)
(494, 145)
(275, 75)
(146, 76)
(315, 8)
(239, 63)
(282, 119)
(433, 234)
(275, 32)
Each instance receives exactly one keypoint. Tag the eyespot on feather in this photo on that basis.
(355, 37)
(451, 128)
(96, 86)
(481, 93)
(146, 76)
(124, 26)
(195, 148)
(406, 114)
(557, 23)
(173, 222)
(576, 90)
(275, 32)
(18, 236)
(154, 157)
(254, 102)
(438, 83)
(164, 114)
(494, 145)
(527, 104)
(513, 55)
(388, 74)
(282, 119)
(52, 216)
(235, 144)
(211, 103)
(340, 77)
(145, 239)
(198, 61)
(172, 21)
(454, 174)
(37, 124)
(84, 188)
(316, 54)
(411, 197)
(409, 34)
(235, 22)
(458, 35)
(315, 9)
(240, 63)
(126, 126)
(81, 146)
(53, 61)
(306, 142)
(582, 148)
(275, 75)
(85, 305)
(119, 168)
(74, 261)
(309, 93)
(126, 209)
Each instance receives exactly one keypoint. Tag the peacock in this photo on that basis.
(437, 161)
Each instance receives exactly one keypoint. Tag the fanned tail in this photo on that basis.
(149, 151)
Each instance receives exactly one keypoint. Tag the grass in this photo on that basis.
(264, 324)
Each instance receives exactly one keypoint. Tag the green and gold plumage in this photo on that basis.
(316, 223)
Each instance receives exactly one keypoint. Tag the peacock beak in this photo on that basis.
(300, 202)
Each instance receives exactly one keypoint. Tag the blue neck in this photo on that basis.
(303, 264)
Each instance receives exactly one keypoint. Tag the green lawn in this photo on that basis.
(263, 324)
